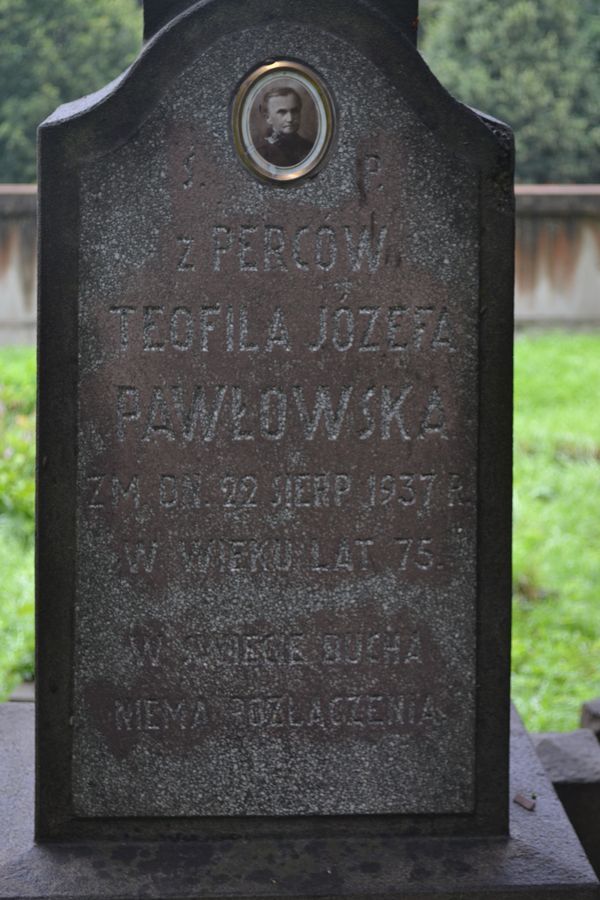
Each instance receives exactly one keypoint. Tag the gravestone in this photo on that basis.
(284, 574)
(274, 467)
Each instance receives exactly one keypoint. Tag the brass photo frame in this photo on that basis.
(283, 121)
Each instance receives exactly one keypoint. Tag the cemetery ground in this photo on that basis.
(556, 575)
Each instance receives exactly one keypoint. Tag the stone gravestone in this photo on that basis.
(285, 576)
(274, 466)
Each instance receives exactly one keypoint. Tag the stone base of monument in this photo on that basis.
(590, 716)
(572, 761)
(541, 859)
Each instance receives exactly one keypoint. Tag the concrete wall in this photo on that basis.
(558, 254)
(557, 261)
(18, 263)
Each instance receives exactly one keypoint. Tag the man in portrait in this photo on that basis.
(283, 145)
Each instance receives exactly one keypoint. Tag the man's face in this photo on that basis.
(283, 114)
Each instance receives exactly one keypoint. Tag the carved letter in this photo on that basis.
(434, 419)
(159, 418)
(125, 492)
(323, 409)
(278, 334)
(274, 247)
(273, 430)
(141, 557)
(128, 408)
(300, 263)
(326, 248)
(206, 326)
(182, 342)
(365, 246)
(391, 410)
(123, 312)
(187, 245)
(222, 242)
(238, 412)
(199, 412)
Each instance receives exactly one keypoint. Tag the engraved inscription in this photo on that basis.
(350, 711)
(159, 715)
(374, 329)
(232, 328)
(180, 413)
(261, 247)
(360, 712)
(277, 479)
(375, 648)
(233, 556)
(418, 492)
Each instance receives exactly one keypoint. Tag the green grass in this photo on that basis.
(556, 630)
(16, 611)
(17, 456)
(556, 633)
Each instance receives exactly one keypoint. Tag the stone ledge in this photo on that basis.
(572, 761)
(24, 693)
(590, 716)
(541, 861)
(571, 757)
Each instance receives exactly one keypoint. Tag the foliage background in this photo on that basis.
(535, 64)
(54, 51)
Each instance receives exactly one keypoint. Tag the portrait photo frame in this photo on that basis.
(283, 121)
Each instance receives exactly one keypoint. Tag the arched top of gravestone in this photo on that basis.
(104, 120)
(158, 13)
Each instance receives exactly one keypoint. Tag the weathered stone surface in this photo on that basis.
(157, 13)
(24, 693)
(571, 757)
(283, 502)
(281, 546)
(572, 761)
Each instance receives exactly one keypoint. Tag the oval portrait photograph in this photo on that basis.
(282, 121)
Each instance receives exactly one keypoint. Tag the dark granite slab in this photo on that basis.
(274, 467)
(542, 860)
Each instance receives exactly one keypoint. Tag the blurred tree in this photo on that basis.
(532, 63)
(54, 51)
